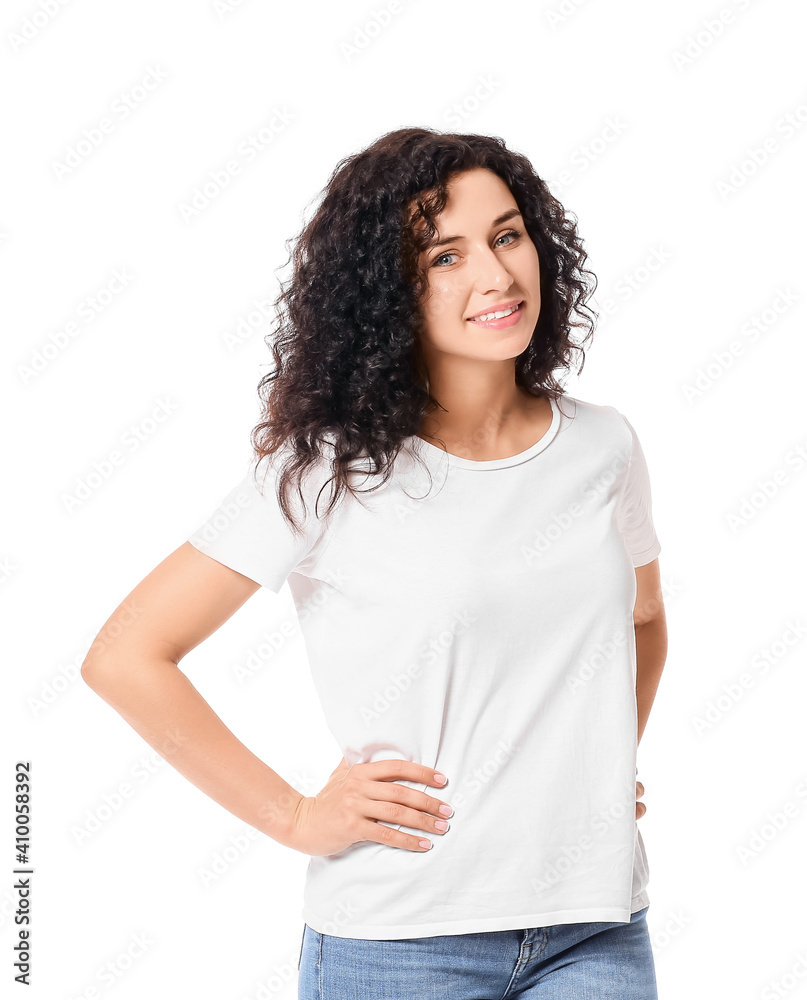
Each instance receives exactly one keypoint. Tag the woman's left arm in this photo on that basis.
(650, 626)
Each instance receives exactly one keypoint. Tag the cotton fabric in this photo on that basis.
(475, 617)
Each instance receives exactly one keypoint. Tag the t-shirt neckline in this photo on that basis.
(496, 463)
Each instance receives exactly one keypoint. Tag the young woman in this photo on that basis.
(474, 560)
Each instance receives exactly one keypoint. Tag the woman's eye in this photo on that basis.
(514, 233)
(436, 261)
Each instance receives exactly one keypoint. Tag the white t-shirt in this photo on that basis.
(479, 623)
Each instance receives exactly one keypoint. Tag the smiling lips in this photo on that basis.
(498, 318)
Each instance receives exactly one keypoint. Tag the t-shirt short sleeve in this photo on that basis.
(249, 533)
(634, 506)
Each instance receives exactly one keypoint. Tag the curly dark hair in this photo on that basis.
(349, 372)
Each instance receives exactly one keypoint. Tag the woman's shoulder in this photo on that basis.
(600, 421)
(574, 406)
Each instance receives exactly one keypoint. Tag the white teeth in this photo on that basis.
(494, 315)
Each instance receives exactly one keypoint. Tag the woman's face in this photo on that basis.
(485, 262)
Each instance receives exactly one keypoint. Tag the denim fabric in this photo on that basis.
(587, 961)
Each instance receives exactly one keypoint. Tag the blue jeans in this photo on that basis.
(594, 961)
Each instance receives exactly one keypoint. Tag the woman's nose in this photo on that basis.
(489, 272)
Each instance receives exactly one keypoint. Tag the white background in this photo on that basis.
(649, 121)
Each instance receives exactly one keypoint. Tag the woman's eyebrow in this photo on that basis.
(509, 214)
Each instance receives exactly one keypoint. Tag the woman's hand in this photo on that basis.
(348, 808)
(641, 808)
(342, 768)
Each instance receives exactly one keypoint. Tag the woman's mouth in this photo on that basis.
(499, 319)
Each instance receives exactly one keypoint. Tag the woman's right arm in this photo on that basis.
(133, 665)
